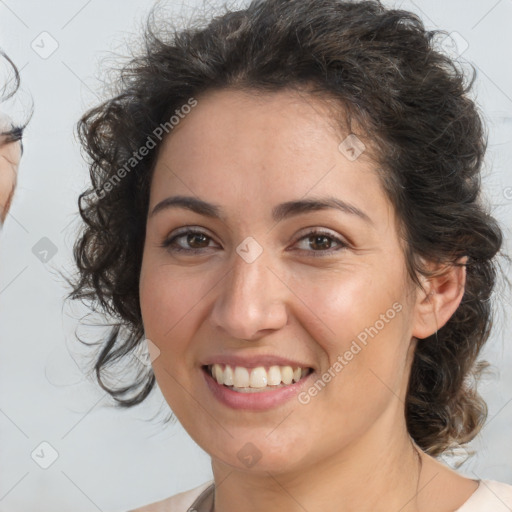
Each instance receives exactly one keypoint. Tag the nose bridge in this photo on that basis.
(251, 297)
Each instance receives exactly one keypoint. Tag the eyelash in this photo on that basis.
(169, 243)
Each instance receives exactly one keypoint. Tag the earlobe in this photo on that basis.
(440, 298)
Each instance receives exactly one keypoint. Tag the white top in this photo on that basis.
(490, 496)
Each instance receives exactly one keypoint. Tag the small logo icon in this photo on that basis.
(454, 44)
(44, 250)
(352, 147)
(45, 45)
(44, 455)
(146, 352)
(249, 249)
(249, 455)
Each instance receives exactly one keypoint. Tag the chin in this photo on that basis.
(255, 452)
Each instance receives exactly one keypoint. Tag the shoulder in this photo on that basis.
(180, 502)
(491, 496)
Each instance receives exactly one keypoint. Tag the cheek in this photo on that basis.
(360, 322)
(342, 305)
(170, 303)
(164, 301)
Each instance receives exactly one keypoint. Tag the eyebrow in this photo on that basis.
(279, 212)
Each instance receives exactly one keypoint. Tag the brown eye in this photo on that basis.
(320, 243)
(197, 238)
(190, 240)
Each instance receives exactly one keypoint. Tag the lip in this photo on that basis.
(255, 361)
(259, 401)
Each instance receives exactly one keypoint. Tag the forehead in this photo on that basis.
(246, 120)
(272, 146)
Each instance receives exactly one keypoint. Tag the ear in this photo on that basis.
(441, 298)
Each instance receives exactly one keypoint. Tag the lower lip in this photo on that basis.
(257, 401)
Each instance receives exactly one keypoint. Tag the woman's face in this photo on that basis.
(255, 288)
(10, 154)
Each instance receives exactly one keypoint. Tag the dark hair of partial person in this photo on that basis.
(405, 98)
(7, 91)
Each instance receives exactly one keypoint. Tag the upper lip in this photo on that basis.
(254, 361)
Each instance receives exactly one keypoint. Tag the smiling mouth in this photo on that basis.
(255, 380)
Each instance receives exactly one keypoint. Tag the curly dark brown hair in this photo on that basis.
(14, 132)
(410, 99)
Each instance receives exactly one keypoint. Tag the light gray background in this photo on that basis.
(111, 459)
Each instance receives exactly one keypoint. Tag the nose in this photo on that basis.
(251, 301)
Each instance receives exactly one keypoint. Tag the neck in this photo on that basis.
(375, 472)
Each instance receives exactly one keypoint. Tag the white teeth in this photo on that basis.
(240, 377)
(228, 376)
(274, 376)
(258, 377)
(218, 374)
(287, 374)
